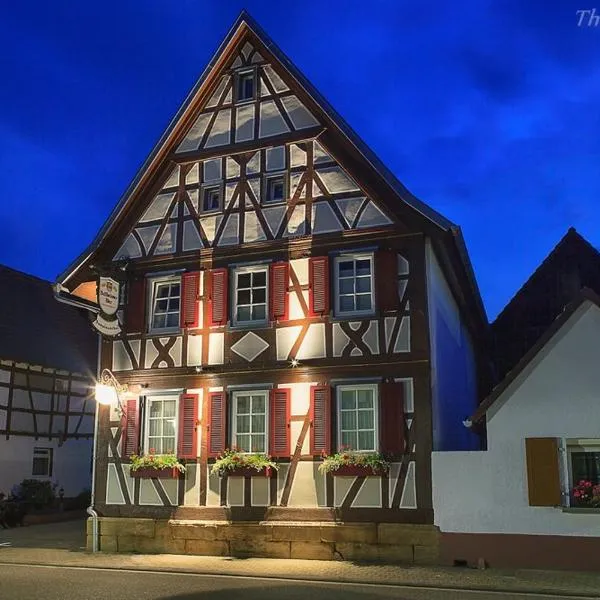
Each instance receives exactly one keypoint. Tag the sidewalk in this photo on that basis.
(548, 582)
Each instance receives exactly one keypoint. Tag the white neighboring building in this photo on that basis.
(512, 505)
(48, 354)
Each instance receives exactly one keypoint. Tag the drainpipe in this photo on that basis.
(57, 288)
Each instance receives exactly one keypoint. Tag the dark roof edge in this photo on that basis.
(134, 182)
(584, 295)
(352, 136)
(572, 233)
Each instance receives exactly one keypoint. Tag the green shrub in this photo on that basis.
(37, 494)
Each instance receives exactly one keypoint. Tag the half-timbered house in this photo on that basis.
(48, 355)
(281, 292)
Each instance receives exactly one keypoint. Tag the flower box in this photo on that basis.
(150, 473)
(247, 472)
(358, 471)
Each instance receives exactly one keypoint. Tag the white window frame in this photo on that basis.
(238, 75)
(147, 401)
(153, 283)
(208, 187)
(249, 392)
(43, 452)
(249, 269)
(267, 179)
(577, 445)
(356, 387)
(338, 312)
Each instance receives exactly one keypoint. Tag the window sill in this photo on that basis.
(247, 326)
(352, 317)
(164, 332)
(582, 510)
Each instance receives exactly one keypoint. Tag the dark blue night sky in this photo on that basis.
(489, 111)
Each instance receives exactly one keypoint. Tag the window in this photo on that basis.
(165, 301)
(245, 86)
(357, 417)
(584, 463)
(274, 189)
(160, 427)
(211, 198)
(42, 462)
(250, 295)
(249, 431)
(354, 284)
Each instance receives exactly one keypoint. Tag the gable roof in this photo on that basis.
(36, 329)
(245, 24)
(571, 265)
(584, 295)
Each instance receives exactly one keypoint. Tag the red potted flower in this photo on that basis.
(353, 463)
(236, 463)
(152, 465)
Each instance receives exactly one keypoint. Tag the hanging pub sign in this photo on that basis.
(107, 322)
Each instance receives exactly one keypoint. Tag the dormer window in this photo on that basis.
(246, 86)
(274, 189)
(211, 198)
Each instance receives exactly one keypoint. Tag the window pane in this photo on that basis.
(244, 280)
(258, 424)
(348, 420)
(363, 284)
(169, 445)
(243, 443)
(349, 439)
(243, 405)
(169, 427)
(259, 296)
(259, 313)
(363, 302)
(172, 320)
(346, 286)
(365, 398)
(586, 465)
(243, 424)
(243, 296)
(243, 313)
(365, 419)
(258, 404)
(155, 409)
(162, 291)
(259, 278)
(363, 267)
(366, 440)
(258, 443)
(346, 268)
(173, 304)
(346, 303)
(348, 399)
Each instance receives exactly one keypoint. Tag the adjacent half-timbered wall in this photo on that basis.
(45, 408)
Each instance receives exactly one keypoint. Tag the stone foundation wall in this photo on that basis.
(381, 542)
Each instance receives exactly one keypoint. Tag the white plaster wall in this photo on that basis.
(556, 396)
(72, 463)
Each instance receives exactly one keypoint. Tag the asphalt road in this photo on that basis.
(30, 582)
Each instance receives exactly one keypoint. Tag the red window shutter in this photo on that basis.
(187, 439)
(320, 418)
(280, 422)
(386, 280)
(190, 283)
(135, 312)
(216, 423)
(318, 274)
(130, 428)
(392, 418)
(218, 297)
(279, 288)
